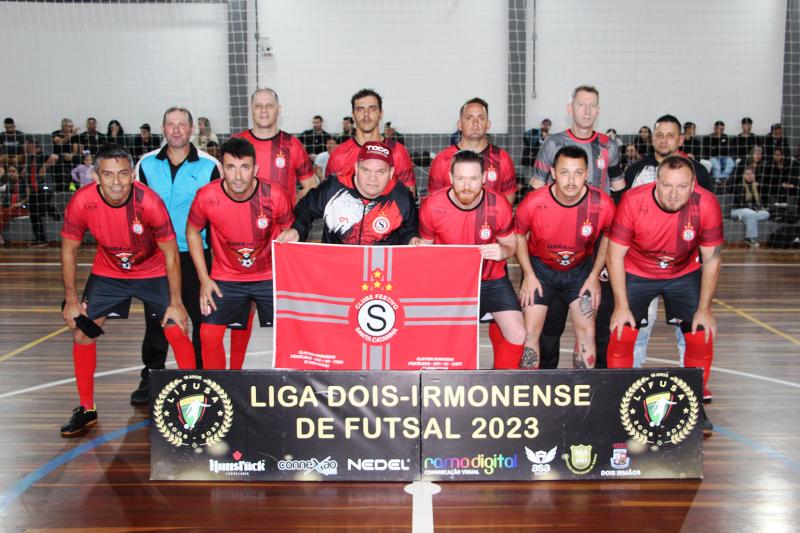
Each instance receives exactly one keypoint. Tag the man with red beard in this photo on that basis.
(367, 107)
(469, 213)
(368, 207)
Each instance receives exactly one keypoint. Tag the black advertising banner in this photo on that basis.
(445, 425)
(570, 424)
(284, 425)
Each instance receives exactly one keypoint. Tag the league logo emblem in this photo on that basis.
(491, 174)
(193, 411)
(658, 409)
(246, 258)
(125, 260)
(664, 261)
(280, 160)
(262, 222)
(688, 233)
(381, 224)
(486, 232)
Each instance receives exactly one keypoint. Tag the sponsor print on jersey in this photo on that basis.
(246, 257)
(124, 260)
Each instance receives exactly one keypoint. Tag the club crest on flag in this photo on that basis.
(376, 314)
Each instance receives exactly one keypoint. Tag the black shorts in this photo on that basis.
(233, 309)
(498, 295)
(565, 284)
(681, 297)
(111, 297)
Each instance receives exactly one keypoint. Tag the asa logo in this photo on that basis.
(541, 460)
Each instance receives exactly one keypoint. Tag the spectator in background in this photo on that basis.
(204, 135)
(692, 146)
(780, 174)
(719, 152)
(631, 156)
(115, 134)
(775, 139)
(391, 133)
(11, 143)
(13, 198)
(644, 142)
(532, 140)
(753, 159)
(612, 134)
(83, 174)
(348, 130)
(212, 147)
(747, 205)
(314, 139)
(65, 146)
(91, 139)
(40, 193)
(145, 141)
(746, 140)
(321, 161)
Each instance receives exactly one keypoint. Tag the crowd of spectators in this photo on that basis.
(757, 172)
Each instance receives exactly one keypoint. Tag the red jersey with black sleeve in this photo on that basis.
(563, 236)
(662, 244)
(127, 235)
(498, 170)
(342, 162)
(442, 221)
(241, 231)
(281, 160)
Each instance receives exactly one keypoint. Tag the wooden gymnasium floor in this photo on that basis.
(100, 483)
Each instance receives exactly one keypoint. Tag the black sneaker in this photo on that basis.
(141, 396)
(80, 421)
(705, 423)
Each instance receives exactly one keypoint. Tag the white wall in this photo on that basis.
(424, 58)
(112, 61)
(699, 60)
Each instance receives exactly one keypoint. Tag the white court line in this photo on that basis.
(422, 505)
(734, 372)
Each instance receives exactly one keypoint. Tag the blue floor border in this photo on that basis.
(28, 481)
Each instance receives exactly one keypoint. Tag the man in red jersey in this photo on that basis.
(557, 227)
(244, 214)
(469, 213)
(367, 106)
(473, 123)
(281, 158)
(655, 238)
(136, 257)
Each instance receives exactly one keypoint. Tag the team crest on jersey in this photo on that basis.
(586, 229)
(688, 233)
(491, 174)
(664, 261)
(565, 257)
(486, 232)
(280, 160)
(137, 227)
(601, 163)
(381, 224)
(124, 260)
(246, 258)
(262, 222)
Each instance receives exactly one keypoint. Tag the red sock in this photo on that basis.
(211, 336)
(495, 334)
(620, 352)
(507, 356)
(240, 338)
(182, 347)
(699, 353)
(84, 357)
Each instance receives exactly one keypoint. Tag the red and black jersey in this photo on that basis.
(350, 218)
(241, 231)
(442, 221)
(342, 162)
(662, 244)
(281, 160)
(563, 236)
(498, 170)
(126, 235)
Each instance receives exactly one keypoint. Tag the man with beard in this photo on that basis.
(468, 212)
